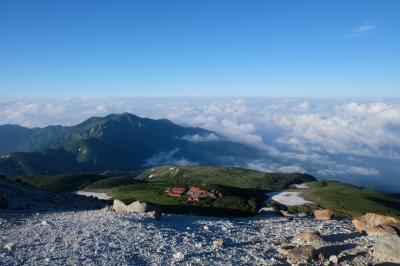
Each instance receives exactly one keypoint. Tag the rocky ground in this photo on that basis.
(17, 196)
(103, 237)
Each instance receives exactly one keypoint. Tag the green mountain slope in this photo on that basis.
(352, 201)
(226, 176)
(117, 142)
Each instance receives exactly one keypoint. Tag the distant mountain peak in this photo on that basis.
(114, 142)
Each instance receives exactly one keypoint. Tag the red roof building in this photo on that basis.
(194, 193)
(175, 192)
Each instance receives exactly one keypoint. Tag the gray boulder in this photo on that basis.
(387, 248)
(137, 207)
(301, 254)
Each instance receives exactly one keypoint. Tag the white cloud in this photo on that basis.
(291, 169)
(201, 138)
(167, 158)
(302, 107)
(363, 29)
(343, 170)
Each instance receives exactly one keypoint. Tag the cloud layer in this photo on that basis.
(341, 139)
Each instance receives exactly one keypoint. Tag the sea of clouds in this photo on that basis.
(356, 140)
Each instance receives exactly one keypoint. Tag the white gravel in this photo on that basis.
(102, 237)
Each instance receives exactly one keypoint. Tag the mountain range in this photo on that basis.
(117, 142)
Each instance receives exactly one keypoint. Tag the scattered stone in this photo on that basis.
(287, 214)
(45, 223)
(301, 254)
(205, 227)
(9, 246)
(179, 255)
(321, 257)
(108, 208)
(153, 214)
(334, 259)
(324, 214)
(218, 243)
(135, 239)
(302, 215)
(283, 250)
(387, 248)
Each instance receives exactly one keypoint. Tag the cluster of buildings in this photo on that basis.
(193, 193)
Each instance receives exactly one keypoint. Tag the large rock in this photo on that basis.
(376, 224)
(359, 225)
(9, 247)
(137, 207)
(119, 206)
(301, 254)
(381, 229)
(324, 214)
(377, 219)
(387, 248)
(312, 238)
(218, 243)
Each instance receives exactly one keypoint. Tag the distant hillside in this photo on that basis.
(243, 190)
(350, 200)
(226, 176)
(117, 142)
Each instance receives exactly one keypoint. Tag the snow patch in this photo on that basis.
(98, 195)
(288, 198)
(304, 185)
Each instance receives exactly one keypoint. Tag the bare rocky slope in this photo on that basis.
(17, 196)
(42, 228)
(103, 237)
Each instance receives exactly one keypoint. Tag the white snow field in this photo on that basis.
(103, 237)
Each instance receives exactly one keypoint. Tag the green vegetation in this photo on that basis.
(301, 209)
(236, 201)
(352, 201)
(64, 183)
(226, 176)
(243, 190)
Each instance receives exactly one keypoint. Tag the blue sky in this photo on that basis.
(199, 48)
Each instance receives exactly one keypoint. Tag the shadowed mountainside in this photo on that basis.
(117, 142)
